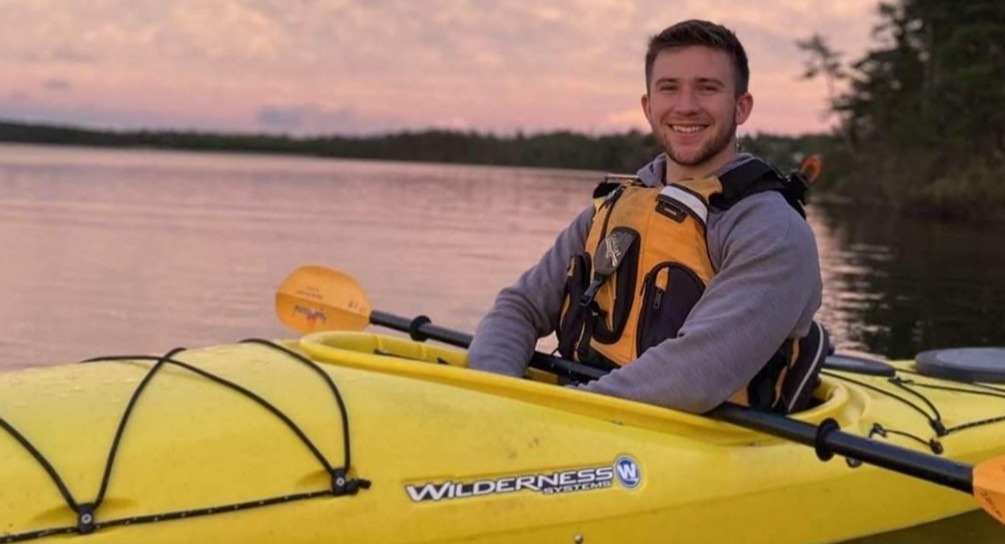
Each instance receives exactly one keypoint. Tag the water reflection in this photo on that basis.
(900, 285)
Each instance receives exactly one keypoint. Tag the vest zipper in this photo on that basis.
(658, 298)
(649, 282)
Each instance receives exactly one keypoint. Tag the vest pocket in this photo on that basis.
(613, 303)
(670, 290)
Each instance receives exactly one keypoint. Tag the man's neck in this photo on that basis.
(677, 172)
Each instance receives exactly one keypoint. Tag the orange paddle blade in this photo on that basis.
(989, 487)
(315, 298)
(811, 167)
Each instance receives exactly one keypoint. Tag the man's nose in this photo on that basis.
(687, 101)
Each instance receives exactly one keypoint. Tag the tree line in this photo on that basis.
(922, 116)
(623, 153)
(614, 152)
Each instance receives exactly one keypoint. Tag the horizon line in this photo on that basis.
(86, 127)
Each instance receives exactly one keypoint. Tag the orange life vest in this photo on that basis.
(654, 240)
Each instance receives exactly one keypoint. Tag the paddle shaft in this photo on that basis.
(420, 329)
(827, 440)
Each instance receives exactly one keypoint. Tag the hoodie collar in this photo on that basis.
(653, 173)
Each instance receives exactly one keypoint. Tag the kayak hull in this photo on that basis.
(439, 454)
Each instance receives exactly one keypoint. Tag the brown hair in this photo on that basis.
(697, 32)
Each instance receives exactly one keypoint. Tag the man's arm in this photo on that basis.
(504, 340)
(767, 289)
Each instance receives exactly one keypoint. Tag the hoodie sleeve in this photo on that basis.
(767, 289)
(505, 339)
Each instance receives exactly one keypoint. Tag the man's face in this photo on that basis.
(692, 105)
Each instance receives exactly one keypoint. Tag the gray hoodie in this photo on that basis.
(766, 288)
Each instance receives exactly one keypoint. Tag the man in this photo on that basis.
(737, 306)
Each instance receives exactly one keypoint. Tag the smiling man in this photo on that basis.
(696, 97)
(693, 282)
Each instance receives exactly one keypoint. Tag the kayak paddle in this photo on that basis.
(316, 298)
(811, 167)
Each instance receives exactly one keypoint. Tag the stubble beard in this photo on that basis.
(714, 146)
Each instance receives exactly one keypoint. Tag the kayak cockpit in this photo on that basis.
(446, 365)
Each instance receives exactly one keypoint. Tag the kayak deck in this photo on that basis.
(450, 454)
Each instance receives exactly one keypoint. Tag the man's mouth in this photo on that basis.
(686, 128)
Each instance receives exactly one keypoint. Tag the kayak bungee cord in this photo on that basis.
(933, 444)
(956, 389)
(343, 413)
(85, 512)
(341, 484)
(42, 461)
(935, 422)
(978, 423)
(989, 391)
(975, 388)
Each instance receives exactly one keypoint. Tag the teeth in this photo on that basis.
(686, 129)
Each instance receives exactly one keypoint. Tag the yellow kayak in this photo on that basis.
(249, 443)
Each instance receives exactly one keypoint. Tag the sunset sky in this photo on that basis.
(373, 66)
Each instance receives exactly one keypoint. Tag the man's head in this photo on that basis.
(696, 94)
(711, 35)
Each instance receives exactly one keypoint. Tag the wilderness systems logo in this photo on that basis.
(628, 472)
(625, 470)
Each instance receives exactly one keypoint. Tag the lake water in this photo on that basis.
(108, 251)
(119, 252)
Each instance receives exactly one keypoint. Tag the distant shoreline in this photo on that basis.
(619, 153)
(623, 152)
(266, 155)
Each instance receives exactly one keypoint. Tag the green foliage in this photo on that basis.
(977, 192)
(924, 114)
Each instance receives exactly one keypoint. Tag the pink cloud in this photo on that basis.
(499, 66)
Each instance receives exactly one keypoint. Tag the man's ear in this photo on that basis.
(744, 105)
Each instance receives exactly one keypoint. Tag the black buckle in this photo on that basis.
(798, 184)
(343, 485)
(85, 519)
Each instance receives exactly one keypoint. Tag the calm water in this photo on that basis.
(114, 252)
(122, 251)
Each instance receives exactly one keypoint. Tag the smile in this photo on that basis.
(687, 129)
